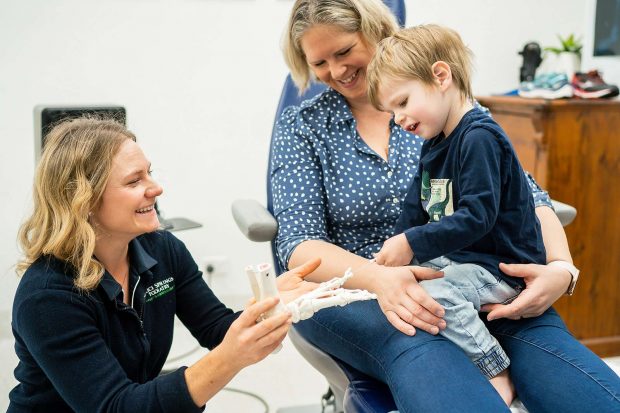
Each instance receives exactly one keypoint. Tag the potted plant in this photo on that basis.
(566, 58)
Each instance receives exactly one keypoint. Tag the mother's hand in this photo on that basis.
(405, 303)
(291, 284)
(544, 284)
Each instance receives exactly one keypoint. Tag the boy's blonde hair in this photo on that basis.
(371, 18)
(69, 182)
(410, 54)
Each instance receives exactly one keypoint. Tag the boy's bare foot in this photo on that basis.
(505, 388)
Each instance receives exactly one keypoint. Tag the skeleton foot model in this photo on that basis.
(327, 294)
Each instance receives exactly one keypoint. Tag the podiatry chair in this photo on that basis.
(350, 390)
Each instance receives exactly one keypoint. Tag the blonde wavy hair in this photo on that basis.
(69, 183)
(371, 18)
(410, 54)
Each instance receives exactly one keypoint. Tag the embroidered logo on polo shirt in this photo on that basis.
(159, 289)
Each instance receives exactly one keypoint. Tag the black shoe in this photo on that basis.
(531, 61)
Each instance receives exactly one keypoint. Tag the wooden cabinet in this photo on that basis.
(572, 147)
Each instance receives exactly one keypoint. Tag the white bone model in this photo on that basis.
(327, 294)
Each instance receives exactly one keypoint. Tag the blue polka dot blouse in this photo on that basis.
(329, 185)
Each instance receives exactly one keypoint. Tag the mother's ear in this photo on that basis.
(442, 74)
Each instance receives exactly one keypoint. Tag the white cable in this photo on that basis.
(247, 393)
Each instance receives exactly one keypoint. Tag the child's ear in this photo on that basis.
(442, 74)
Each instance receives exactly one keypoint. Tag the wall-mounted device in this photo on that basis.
(47, 116)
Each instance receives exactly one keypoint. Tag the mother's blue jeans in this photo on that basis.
(552, 371)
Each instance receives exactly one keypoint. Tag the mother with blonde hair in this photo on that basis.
(93, 314)
(340, 171)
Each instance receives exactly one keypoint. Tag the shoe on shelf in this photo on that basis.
(591, 85)
(547, 86)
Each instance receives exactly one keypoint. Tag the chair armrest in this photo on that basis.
(254, 221)
(566, 213)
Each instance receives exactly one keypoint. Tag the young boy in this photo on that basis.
(469, 207)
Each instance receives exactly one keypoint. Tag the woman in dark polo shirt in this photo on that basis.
(94, 311)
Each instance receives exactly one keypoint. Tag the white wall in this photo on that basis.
(200, 81)
(497, 30)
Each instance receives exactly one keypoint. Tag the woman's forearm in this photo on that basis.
(403, 301)
(334, 262)
(246, 342)
(554, 238)
(208, 376)
(544, 283)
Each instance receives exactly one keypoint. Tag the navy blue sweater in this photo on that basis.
(91, 352)
(470, 201)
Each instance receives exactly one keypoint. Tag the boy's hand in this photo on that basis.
(395, 252)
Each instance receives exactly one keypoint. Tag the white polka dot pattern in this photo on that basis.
(328, 184)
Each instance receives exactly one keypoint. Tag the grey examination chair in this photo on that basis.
(353, 391)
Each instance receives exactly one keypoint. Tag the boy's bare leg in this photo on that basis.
(503, 385)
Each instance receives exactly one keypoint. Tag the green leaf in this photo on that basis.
(570, 44)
